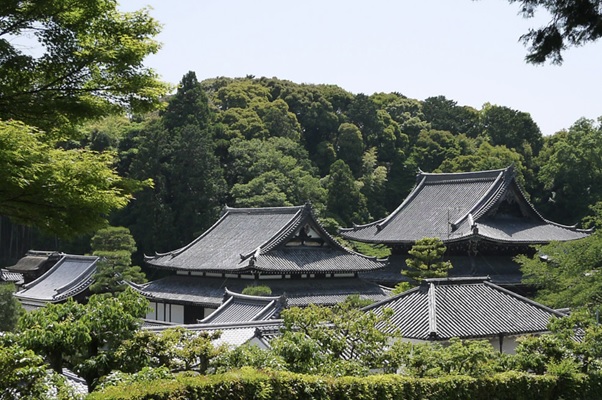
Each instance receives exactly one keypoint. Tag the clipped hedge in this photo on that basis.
(251, 384)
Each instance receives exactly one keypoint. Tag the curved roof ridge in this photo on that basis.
(279, 236)
(174, 253)
(237, 295)
(484, 200)
(265, 210)
(412, 194)
(454, 176)
(43, 276)
(87, 272)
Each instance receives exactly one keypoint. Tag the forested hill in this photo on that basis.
(250, 142)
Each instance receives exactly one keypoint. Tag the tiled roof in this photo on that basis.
(255, 239)
(440, 309)
(501, 269)
(299, 292)
(456, 206)
(239, 308)
(69, 276)
(34, 260)
(233, 334)
(8, 276)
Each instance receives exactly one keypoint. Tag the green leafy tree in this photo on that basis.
(572, 23)
(433, 147)
(272, 172)
(570, 169)
(64, 63)
(513, 129)
(178, 152)
(476, 358)
(342, 340)
(59, 191)
(446, 115)
(24, 374)
(427, 260)
(569, 274)
(10, 306)
(350, 147)
(352, 206)
(83, 338)
(115, 246)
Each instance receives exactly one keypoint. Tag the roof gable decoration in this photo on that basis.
(304, 231)
(455, 206)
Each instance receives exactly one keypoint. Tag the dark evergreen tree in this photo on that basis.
(115, 246)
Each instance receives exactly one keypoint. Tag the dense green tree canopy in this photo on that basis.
(60, 191)
(64, 62)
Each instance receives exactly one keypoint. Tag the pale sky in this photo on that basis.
(468, 51)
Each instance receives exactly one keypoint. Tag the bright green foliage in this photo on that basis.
(177, 349)
(248, 355)
(55, 332)
(475, 358)
(260, 290)
(24, 374)
(253, 384)
(569, 276)
(272, 172)
(571, 169)
(559, 353)
(332, 341)
(373, 182)
(60, 191)
(427, 260)
(83, 337)
(10, 306)
(433, 147)
(115, 246)
(65, 62)
(401, 287)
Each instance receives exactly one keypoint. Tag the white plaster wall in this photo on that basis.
(177, 313)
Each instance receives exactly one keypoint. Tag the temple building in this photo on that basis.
(69, 277)
(284, 248)
(483, 218)
(466, 308)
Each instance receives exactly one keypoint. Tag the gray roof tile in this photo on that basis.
(239, 308)
(299, 292)
(255, 239)
(440, 309)
(451, 206)
(69, 276)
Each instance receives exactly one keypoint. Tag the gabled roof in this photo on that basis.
(35, 260)
(8, 276)
(209, 292)
(440, 309)
(70, 276)
(255, 239)
(239, 308)
(456, 206)
(232, 333)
